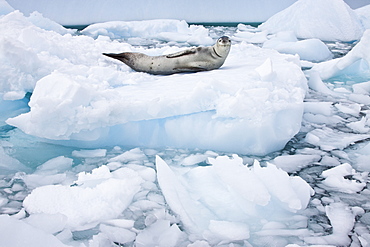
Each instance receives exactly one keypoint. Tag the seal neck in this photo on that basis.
(214, 50)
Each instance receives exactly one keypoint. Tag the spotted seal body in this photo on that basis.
(191, 60)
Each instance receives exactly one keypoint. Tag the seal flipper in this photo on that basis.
(190, 69)
(181, 53)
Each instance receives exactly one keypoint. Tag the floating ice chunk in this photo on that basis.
(328, 139)
(167, 30)
(356, 62)
(194, 159)
(36, 180)
(49, 223)
(322, 108)
(310, 49)
(135, 154)
(143, 114)
(77, 95)
(351, 109)
(361, 158)
(117, 234)
(90, 153)
(122, 223)
(212, 200)
(250, 36)
(342, 220)
(10, 165)
(310, 19)
(359, 126)
(55, 165)
(292, 163)
(100, 197)
(16, 233)
(161, 233)
(335, 179)
(359, 98)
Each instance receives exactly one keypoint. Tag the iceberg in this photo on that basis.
(82, 98)
(312, 19)
(356, 62)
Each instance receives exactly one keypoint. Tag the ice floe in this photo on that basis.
(249, 92)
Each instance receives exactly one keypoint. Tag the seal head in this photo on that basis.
(222, 46)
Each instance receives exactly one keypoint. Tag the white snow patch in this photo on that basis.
(311, 19)
(96, 197)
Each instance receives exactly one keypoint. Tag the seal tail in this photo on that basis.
(121, 56)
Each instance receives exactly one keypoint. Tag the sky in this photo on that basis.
(83, 12)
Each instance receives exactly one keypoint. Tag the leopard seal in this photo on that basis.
(190, 60)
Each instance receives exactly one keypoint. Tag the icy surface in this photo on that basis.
(310, 49)
(303, 18)
(312, 192)
(258, 91)
(254, 193)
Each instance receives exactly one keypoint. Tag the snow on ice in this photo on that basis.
(313, 192)
(166, 30)
(304, 18)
